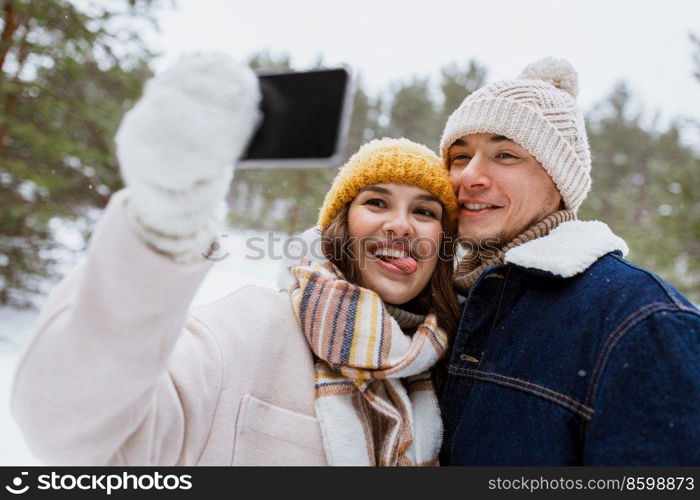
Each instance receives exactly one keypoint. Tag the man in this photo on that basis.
(566, 353)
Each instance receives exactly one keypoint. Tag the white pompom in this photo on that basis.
(558, 72)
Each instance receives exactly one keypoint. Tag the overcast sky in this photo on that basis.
(645, 43)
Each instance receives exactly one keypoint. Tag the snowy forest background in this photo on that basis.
(69, 73)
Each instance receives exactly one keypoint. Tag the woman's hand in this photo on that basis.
(177, 146)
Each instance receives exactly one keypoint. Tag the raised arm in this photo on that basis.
(115, 372)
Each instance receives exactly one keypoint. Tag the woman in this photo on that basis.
(120, 373)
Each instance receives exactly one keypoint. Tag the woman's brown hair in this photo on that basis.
(438, 296)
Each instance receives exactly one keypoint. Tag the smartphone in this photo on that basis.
(306, 116)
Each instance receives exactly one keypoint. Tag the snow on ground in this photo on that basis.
(245, 257)
(13, 450)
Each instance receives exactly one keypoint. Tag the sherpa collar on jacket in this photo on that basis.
(569, 249)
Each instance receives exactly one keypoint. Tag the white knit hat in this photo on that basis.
(539, 112)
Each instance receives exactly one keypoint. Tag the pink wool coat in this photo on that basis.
(120, 373)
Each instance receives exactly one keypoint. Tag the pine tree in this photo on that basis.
(68, 75)
(412, 113)
(457, 83)
(645, 187)
(364, 121)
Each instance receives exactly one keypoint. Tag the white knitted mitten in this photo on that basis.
(176, 149)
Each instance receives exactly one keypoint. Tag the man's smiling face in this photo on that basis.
(501, 188)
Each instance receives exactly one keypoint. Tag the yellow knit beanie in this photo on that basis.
(389, 161)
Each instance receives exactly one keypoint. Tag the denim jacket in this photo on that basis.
(569, 355)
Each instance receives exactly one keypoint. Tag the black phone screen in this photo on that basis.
(302, 115)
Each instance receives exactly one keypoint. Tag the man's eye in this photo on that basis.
(376, 202)
(459, 161)
(507, 156)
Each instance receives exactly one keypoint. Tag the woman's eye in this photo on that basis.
(426, 212)
(376, 202)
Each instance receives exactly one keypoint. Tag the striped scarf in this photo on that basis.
(472, 265)
(375, 400)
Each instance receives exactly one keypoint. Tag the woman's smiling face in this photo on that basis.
(395, 232)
